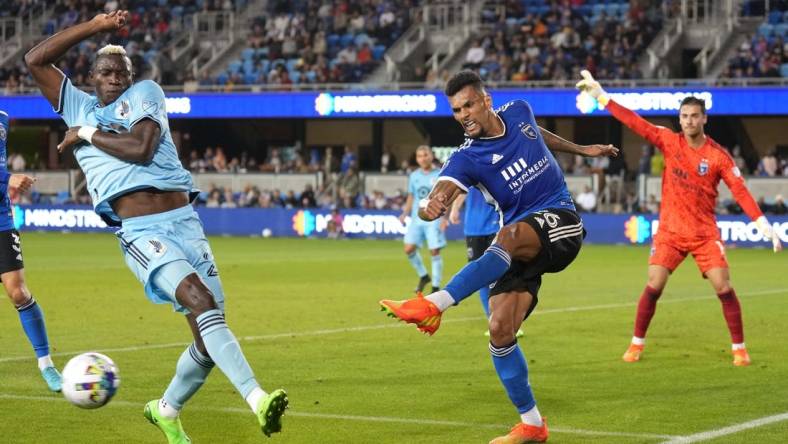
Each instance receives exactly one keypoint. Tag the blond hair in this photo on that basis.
(111, 50)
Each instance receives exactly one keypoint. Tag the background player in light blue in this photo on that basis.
(420, 182)
(506, 157)
(122, 141)
(12, 269)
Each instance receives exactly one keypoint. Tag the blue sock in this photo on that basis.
(225, 351)
(484, 296)
(32, 319)
(437, 270)
(479, 273)
(415, 260)
(512, 370)
(190, 373)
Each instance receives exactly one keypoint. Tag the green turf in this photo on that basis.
(307, 315)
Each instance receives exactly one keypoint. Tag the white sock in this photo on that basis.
(44, 362)
(532, 417)
(254, 398)
(638, 341)
(738, 346)
(167, 410)
(442, 299)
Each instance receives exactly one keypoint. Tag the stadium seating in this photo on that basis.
(764, 54)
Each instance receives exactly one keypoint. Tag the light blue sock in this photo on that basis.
(479, 273)
(437, 270)
(512, 370)
(484, 296)
(225, 351)
(190, 373)
(32, 318)
(415, 260)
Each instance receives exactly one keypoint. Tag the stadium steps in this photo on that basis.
(746, 27)
(20, 33)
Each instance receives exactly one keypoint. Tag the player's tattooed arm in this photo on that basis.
(439, 201)
(559, 144)
(40, 60)
(137, 146)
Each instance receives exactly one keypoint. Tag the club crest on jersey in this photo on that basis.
(703, 167)
(122, 109)
(528, 131)
(3, 133)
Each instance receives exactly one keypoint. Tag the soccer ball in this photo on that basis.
(90, 380)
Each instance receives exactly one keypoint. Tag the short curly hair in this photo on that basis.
(461, 80)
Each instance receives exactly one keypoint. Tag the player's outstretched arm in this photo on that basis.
(439, 201)
(559, 144)
(40, 60)
(137, 146)
(631, 119)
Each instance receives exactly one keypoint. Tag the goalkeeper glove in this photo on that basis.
(592, 88)
(768, 233)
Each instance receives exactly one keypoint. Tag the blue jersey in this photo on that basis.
(6, 218)
(419, 185)
(481, 219)
(107, 176)
(514, 171)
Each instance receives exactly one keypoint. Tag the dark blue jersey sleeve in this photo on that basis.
(459, 170)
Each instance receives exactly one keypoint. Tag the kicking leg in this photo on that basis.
(32, 319)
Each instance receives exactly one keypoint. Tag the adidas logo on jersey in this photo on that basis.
(496, 158)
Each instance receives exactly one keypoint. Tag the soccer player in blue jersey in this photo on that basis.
(12, 269)
(122, 141)
(506, 157)
(420, 183)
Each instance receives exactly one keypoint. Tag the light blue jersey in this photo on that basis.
(107, 176)
(480, 219)
(420, 184)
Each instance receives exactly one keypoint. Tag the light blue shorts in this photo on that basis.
(420, 231)
(162, 249)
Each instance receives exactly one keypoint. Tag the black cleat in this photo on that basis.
(423, 281)
(434, 289)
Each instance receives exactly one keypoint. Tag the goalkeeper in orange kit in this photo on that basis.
(694, 166)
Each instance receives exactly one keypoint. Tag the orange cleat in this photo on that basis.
(741, 358)
(522, 433)
(418, 310)
(633, 353)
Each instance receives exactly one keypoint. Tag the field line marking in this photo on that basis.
(736, 428)
(358, 418)
(329, 331)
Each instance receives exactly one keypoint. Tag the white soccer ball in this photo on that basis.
(90, 380)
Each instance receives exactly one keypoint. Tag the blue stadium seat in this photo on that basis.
(781, 29)
(262, 52)
(612, 9)
(765, 29)
(291, 64)
(62, 197)
(597, 9)
(295, 76)
(265, 66)
(378, 51)
(247, 53)
(784, 70)
(362, 38)
(332, 40)
(346, 40)
(250, 79)
(248, 67)
(775, 17)
(234, 66)
(222, 78)
(311, 76)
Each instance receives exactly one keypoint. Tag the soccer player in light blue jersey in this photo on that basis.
(121, 139)
(420, 183)
(12, 269)
(506, 157)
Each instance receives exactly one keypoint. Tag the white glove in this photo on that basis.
(592, 87)
(768, 234)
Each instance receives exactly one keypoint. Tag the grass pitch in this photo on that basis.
(307, 317)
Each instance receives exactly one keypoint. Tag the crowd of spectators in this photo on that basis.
(151, 25)
(539, 40)
(317, 41)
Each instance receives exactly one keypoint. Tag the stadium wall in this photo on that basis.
(622, 229)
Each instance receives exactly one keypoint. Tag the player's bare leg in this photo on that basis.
(719, 278)
(507, 311)
(647, 306)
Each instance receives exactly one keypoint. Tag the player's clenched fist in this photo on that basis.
(112, 21)
(21, 182)
(431, 209)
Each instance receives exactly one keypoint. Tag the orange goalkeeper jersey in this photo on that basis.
(690, 179)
